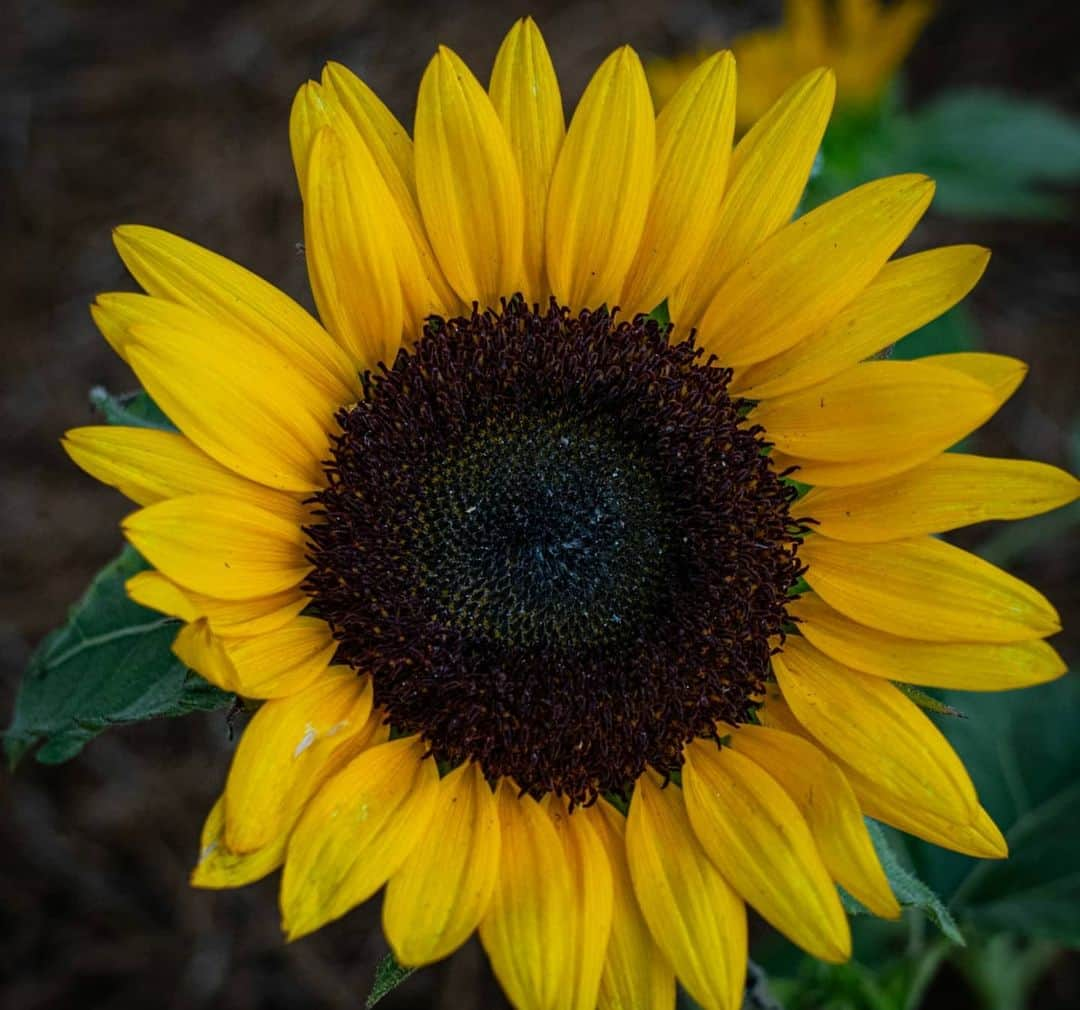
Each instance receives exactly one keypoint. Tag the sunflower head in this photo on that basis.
(566, 526)
(547, 639)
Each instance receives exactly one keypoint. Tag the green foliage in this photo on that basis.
(927, 701)
(1023, 751)
(992, 155)
(850, 986)
(661, 314)
(131, 409)
(910, 891)
(388, 976)
(988, 152)
(1003, 970)
(110, 664)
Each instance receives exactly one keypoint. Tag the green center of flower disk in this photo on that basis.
(543, 529)
(557, 546)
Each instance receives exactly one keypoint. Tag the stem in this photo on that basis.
(926, 968)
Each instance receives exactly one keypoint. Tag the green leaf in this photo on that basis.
(927, 701)
(110, 664)
(134, 409)
(848, 986)
(661, 314)
(988, 152)
(910, 891)
(1023, 751)
(388, 976)
(1010, 137)
(1005, 971)
(962, 192)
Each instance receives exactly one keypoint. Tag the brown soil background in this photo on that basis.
(175, 114)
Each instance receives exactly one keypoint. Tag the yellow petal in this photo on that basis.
(525, 93)
(392, 148)
(843, 474)
(280, 662)
(863, 412)
(926, 589)
(391, 202)
(384, 136)
(226, 618)
(178, 270)
(976, 835)
(797, 280)
(602, 185)
(949, 491)
(871, 725)
(970, 832)
(309, 115)
(197, 647)
(999, 372)
(767, 176)
(443, 889)
(525, 930)
(350, 257)
(696, 919)
(151, 589)
(239, 401)
(220, 546)
(116, 312)
(218, 867)
(755, 835)
(693, 147)
(825, 798)
(204, 652)
(965, 666)
(273, 665)
(356, 832)
(248, 618)
(636, 974)
(593, 901)
(287, 751)
(468, 184)
(907, 293)
(149, 466)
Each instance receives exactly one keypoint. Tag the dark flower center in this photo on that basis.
(543, 531)
(556, 545)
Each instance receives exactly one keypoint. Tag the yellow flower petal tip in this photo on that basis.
(996, 845)
(602, 184)
(468, 183)
(755, 835)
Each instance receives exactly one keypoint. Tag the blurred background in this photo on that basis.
(175, 114)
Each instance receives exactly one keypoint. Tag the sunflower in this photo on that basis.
(862, 40)
(548, 641)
